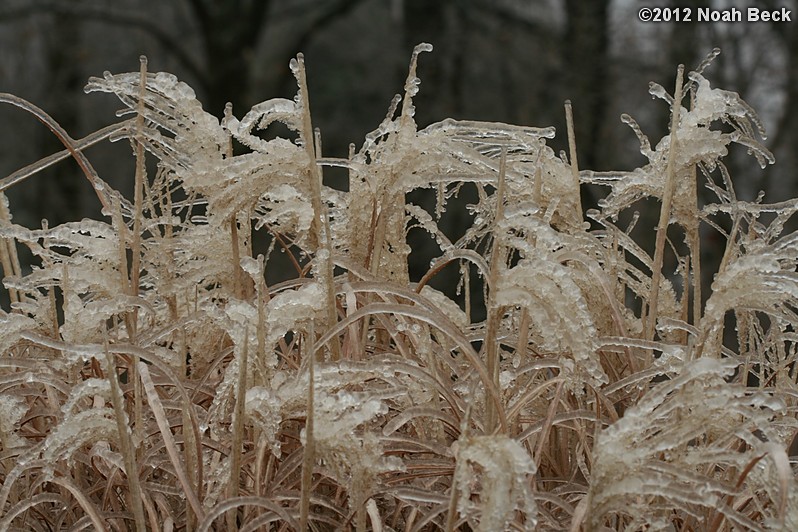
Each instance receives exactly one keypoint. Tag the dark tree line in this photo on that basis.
(513, 61)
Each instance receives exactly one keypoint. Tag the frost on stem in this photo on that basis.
(558, 314)
(501, 467)
(662, 453)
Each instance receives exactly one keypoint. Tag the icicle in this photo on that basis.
(645, 145)
(707, 60)
(411, 89)
(658, 91)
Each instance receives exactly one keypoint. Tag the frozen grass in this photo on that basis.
(152, 378)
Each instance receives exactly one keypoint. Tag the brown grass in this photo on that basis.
(151, 377)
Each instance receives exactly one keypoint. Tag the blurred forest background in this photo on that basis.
(513, 61)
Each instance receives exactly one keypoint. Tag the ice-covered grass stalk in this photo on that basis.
(153, 376)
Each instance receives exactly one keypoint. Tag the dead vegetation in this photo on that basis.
(152, 379)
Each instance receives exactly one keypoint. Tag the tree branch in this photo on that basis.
(116, 17)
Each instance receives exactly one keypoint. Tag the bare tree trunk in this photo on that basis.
(60, 195)
(230, 32)
(441, 24)
(587, 75)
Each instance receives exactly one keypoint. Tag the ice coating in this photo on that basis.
(88, 389)
(558, 311)
(505, 467)
(422, 47)
(328, 369)
(701, 141)
(627, 452)
(289, 309)
(264, 113)
(294, 64)
(76, 430)
(13, 325)
(11, 411)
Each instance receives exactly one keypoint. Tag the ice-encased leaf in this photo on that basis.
(502, 467)
(88, 389)
(88, 239)
(12, 408)
(450, 309)
(292, 309)
(83, 428)
(557, 309)
(247, 179)
(201, 255)
(286, 209)
(86, 318)
(664, 445)
(339, 414)
(763, 279)
(11, 327)
(183, 137)
(263, 406)
(717, 104)
(260, 117)
(285, 397)
(239, 321)
(351, 452)
(697, 142)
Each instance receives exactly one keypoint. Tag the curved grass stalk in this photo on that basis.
(449, 257)
(514, 409)
(665, 210)
(280, 513)
(163, 425)
(413, 412)
(598, 274)
(447, 328)
(24, 463)
(548, 423)
(558, 419)
(66, 140)
(91, 511)
(79, 145)
(26, 504)
(125, 444)
(412, 370)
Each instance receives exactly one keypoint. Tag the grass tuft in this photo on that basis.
(164, 368)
